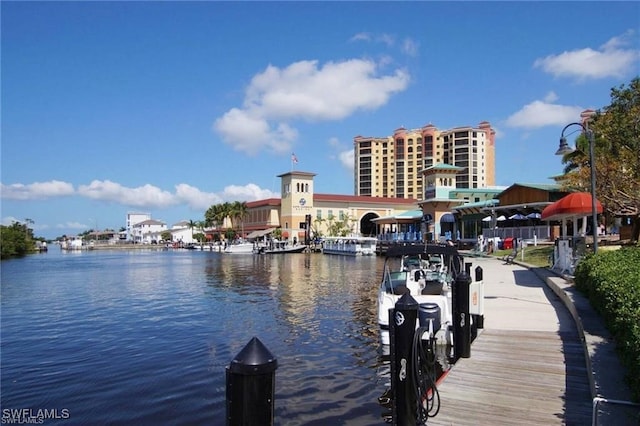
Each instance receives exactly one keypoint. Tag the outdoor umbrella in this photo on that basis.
(518, 216)
(573, 205)
(534, 216)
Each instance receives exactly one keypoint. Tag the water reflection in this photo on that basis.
(122, 337)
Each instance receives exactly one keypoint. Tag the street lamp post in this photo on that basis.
(566, 149)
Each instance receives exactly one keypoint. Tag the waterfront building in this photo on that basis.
(147, 231)
(443, 195)
(392, 166)
(134, 218)
(182, 232)
(300, 212)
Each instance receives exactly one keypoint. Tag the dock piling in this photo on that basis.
(251, 386)
(461, 316)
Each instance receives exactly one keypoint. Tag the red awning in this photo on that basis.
(285, 234)
(573, 205)
(301, 234)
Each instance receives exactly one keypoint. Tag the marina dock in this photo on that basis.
(542, 357)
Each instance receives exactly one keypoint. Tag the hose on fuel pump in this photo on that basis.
(424, 371)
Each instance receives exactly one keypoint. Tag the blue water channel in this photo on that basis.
(144, 337)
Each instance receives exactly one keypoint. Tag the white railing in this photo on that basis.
(522, 232)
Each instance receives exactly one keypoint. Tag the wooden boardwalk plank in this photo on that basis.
(518, 378)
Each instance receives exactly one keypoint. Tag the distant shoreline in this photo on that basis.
(121, 247)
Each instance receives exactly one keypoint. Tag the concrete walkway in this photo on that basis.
(519, 297)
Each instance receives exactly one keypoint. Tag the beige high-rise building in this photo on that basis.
(391, 166)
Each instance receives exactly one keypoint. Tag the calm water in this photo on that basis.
(143, 337)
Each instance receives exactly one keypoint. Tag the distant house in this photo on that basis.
(147, 231)
(181, 232)
(134, 218)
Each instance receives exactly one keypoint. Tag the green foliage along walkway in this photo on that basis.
(611, 281)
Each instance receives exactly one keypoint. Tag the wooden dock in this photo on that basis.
(517, 377)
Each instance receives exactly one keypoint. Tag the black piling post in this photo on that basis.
(479, 278)
(461, 317)
(251, 386)
(402, 321)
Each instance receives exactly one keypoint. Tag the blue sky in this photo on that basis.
(170, 107)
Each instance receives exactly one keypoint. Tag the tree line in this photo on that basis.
(616, 130)
(17, 239)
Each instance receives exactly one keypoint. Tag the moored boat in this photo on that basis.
(281, 247)
(350, 246)
(241, 248)
(426, 272)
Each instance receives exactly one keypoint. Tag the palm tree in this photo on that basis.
(238, 212)
(192, 224)
(318, 222)
(202, 224)
(217, 213)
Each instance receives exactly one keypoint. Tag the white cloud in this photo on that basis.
(194, 198)
(407, 46)
(499, 133)
(410, 47)
(361, 37)
(9, 220)
(36, 190)
(146, 196)
(387, 39)
(612, 59)
(334, 91)
(248, 192)
(338, 152)
(540, 114)
(142, 196)
(72, 225)
(346, 158)
(550, 97)
(304, 91)
(250, 133)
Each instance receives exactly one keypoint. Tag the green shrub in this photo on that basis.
(611, 281)
(16, 240)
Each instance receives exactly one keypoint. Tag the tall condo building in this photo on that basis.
(391, 166)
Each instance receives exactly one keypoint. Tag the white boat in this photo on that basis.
(281, 247)
(427, 272)
(241, 248)
(74, 243)
(350, 246)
